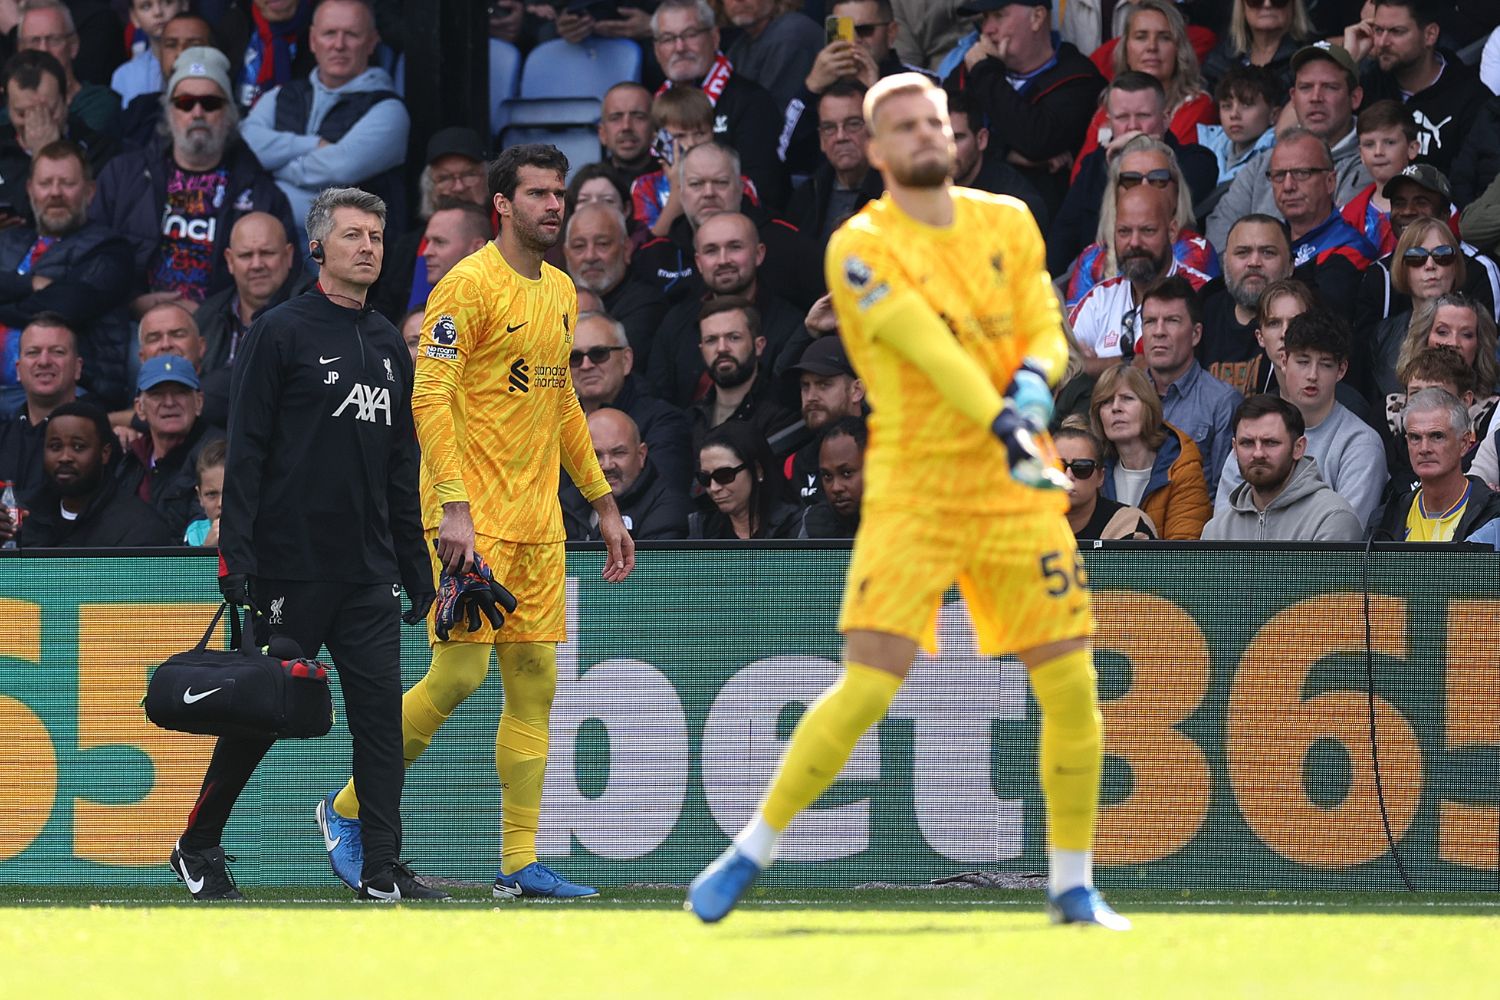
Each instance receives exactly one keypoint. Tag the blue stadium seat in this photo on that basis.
(588, 69)
(569, 123)
(505, 76)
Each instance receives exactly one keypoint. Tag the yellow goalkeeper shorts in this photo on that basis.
(1020, 574)
(535, 573)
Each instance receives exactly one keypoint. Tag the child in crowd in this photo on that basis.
(205, 530)
(141, 74)
(1387, 143)
(1249, 98)
(683, 118)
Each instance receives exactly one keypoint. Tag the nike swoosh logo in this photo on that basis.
(195, 885)
(328, 361)
(395, 892)
(513, 329)
(189, 698)
(395, 590)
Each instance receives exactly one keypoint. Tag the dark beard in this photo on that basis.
(82, 486)
(1241, 294)
(531, 236)
(926, 175)
(741, 373)
(1141, 270)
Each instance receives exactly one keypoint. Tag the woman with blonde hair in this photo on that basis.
(1142, 160)
(1261, 33)
(1155, 42)
(1428, 263)
(1148, 463)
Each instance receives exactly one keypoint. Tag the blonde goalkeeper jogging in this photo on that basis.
(945, 309)
(496, 415)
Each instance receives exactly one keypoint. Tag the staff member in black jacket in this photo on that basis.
(320, 522)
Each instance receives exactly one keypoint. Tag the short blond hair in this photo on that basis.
(901, 85)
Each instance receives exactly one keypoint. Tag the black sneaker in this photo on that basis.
(205, 873)
(397, 881)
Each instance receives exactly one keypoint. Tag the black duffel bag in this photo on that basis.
(240, 692)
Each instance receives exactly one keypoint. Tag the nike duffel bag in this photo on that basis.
(239, 692)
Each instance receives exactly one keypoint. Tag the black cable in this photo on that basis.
(1385, 819)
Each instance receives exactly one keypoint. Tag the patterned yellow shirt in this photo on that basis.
(494, 403)
(984, 277)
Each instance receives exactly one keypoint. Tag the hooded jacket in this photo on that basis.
(1306, 510)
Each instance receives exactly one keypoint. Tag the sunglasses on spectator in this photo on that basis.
(598, 355)
(868, 30)
(1081, 468)
(1278, 4)
(723, 476)
(1442, 256)
(1158, 178)
(208, 102)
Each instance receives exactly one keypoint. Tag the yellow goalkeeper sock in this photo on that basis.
(823, 740)
(1071, 755)
(458, 668)
(529, 673)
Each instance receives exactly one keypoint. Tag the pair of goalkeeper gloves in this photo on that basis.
(1021, 428)
(468, 598)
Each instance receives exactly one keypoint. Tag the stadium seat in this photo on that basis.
(587, 69)
(579, 145)
(505, 76)
(570, 123)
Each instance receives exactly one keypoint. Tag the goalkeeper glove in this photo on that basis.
(1032, 462)
(469, 597)
(1031, 394)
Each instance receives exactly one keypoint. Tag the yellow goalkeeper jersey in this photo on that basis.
(984, 276)
(494, 403)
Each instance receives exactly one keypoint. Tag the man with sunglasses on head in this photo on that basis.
(178, 200)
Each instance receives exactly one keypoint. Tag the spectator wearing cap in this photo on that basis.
(746, 116)
(455, 172)
(267, 41)
(1406, 64)
(1044, 92)
(80, 504)
(341, 124)
(264, 267)
(160, 466)
(775, 46)
(47, 26)
(1419, 191)
(177, 201)
(71, 269)
(830, 392)
(650, 506)
(36, 96)
(140, 121)
(1325, 94)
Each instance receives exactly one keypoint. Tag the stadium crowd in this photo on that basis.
(1273, 227)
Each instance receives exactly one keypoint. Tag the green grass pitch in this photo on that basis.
(152, 942)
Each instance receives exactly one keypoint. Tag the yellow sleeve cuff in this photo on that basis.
(452, 491)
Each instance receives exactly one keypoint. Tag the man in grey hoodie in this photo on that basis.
(1282, 498)
(343, 124)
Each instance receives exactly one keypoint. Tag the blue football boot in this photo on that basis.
(719, 886)
(343, 840)
(1082, 904)
(537, 881)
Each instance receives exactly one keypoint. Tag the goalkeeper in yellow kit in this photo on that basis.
(495, 415)
(945, 309)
